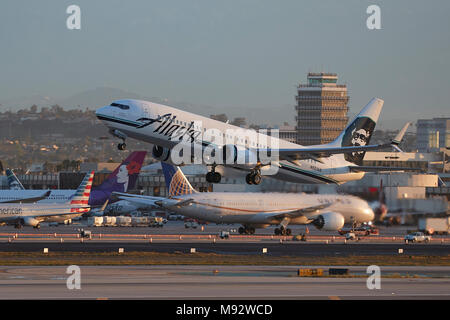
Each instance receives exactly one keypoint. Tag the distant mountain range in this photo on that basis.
(101, 96)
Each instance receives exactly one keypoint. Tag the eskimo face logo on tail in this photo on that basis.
(358, 134)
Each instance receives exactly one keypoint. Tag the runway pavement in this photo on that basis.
(224, 247)
(219, 282)
(173, 237)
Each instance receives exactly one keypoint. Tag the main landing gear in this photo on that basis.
(254, 177)
(246, 230)
(213, 176)
(282, 231)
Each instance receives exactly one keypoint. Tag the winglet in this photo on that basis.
(399, 137)
(104, 205)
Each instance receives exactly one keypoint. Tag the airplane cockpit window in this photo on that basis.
(121, 106)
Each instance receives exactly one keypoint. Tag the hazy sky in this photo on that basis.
(246, 53)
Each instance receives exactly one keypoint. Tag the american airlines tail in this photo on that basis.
(359, 131)
(176, 182)
(79, 201)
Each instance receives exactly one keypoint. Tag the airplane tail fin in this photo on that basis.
(124, 177)
(359, 131)
(79, 201)
(13, 182)
(176, 182)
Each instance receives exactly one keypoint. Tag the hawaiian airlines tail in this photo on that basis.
(125, 176)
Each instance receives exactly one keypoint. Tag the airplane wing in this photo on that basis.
(299, 212)
(321, 152)
(28, 200)
(377, 169)
(153, 201)
(139, 199)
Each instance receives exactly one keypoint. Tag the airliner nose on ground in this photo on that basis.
(369, 213)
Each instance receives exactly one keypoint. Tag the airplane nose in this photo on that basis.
(101, 111)
(369, 213)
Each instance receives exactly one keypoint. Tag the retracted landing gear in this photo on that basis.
(213, 176)
(246, 230)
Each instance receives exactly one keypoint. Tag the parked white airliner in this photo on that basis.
(166, 127)
(32, 214)
(256, 210)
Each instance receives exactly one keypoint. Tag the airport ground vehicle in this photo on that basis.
(361, 231)
(350, 236)
(109, 221)
(85, 233)
(431, 226)
(156, 222)
(190, 223)
(95, 221)
(417, 237)
(224, 234)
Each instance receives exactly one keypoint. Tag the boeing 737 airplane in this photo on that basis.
(166, 127)
(256, 210)
(122, 179)
(27, 214)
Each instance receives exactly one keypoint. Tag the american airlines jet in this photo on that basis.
(256, 210)
(32, 214)
(168, 128)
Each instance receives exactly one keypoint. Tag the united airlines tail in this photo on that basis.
(360, 130)
(176, 182)
(13, 182)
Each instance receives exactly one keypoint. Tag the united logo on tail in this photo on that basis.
(176, 182)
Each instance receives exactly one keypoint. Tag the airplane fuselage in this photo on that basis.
(257, 208)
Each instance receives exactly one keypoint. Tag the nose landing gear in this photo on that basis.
(118, 134)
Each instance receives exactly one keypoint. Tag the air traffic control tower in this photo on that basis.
(322, 107)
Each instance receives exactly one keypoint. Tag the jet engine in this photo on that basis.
(30, 221)
(233, 154)
(329, 221)
(160, 153)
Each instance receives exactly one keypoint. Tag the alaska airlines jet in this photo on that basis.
(166, 127)
(256, 210)
(122, 179)
(27, 214)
